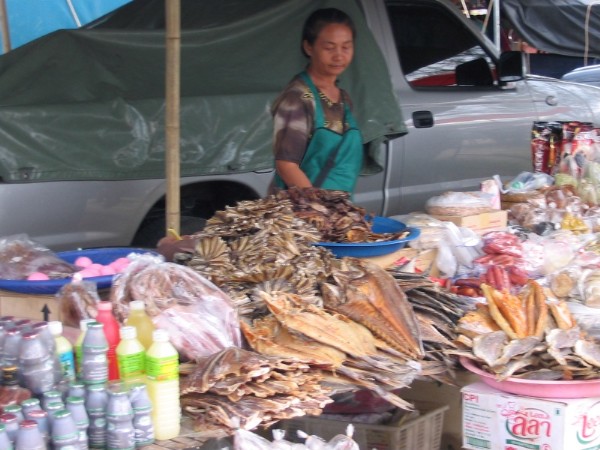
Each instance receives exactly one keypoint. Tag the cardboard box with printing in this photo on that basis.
(496, 420)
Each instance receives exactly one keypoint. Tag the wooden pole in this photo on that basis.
(5, 30)
(172, 126)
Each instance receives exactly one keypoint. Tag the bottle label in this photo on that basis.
(67, 363)
(131, 365)
(162, 369)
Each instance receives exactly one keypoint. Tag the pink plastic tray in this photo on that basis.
(537, 388)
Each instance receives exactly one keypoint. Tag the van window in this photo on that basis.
(436, 49)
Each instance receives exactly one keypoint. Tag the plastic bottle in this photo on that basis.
(2, 336)
(111, 331)
(5, 443)
(64, 351)
(52, 409)
(119, 422)
(77, 408)
(141, 321)
(36, 364)
(29, 437)
(64, 433)
(162, 380)
(77, 347)
(130, 356)
(15, 409)
(30, 404)
(76, 389)
(41, 418)
(49, 397)
(142, 415)
(43, 329)
(94, 361)
(95, 403)
(10, 392)
(11, 424)
(12, 344)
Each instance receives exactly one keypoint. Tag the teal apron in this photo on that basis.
(342, 171)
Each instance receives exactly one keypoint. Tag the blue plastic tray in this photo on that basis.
(97, 255)
(370, 249)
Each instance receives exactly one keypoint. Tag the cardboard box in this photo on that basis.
(496, 420)
(35, 306)
(29, 306)
(481, 223)
(421, 433)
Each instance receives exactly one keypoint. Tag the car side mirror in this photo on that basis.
(511, 67)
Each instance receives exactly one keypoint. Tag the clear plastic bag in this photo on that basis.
(343, 441)
(200, 318)
(20, 257)
(457, 252)
(78, 300)
(459, 203)
(432, 231)
(528, 181)
(247, 440)
(312, 442)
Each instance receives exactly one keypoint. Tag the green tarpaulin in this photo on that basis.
(89, 104)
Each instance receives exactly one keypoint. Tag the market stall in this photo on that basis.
(302, 312)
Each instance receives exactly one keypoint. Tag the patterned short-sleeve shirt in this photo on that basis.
(293, 119)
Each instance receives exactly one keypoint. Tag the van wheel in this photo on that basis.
(153, 230)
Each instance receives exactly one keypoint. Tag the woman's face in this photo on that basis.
(332, 51)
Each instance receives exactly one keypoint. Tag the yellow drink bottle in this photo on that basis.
(130, 356)
(162, 381)
(141, 321)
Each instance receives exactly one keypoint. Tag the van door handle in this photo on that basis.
(422, 119)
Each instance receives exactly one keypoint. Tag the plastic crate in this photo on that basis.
(421, 433)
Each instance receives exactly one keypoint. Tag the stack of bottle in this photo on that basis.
(101, 393)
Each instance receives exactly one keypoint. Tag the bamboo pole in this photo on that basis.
(172, 125)
(5, 30)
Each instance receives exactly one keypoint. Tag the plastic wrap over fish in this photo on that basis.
(199, 317)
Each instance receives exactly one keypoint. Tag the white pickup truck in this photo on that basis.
(468, 111)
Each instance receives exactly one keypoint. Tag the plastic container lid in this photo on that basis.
(28, 424)
(75, 400)
(104, 305)
(160, 336)
(128, 332)
(137, 305)
(83, 323)
(56, 327)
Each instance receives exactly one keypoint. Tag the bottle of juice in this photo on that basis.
(130, 356)
(77, 347)
(141, 321)
(162, 380)
(111, 331)
(64, 350)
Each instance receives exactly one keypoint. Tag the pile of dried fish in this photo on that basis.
(334, 215)
(259, 246)
(437, 311)
(345, 349)
(344, 316)
(527, 336)
(236, 388)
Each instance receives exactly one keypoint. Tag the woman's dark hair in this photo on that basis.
(319, 19)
